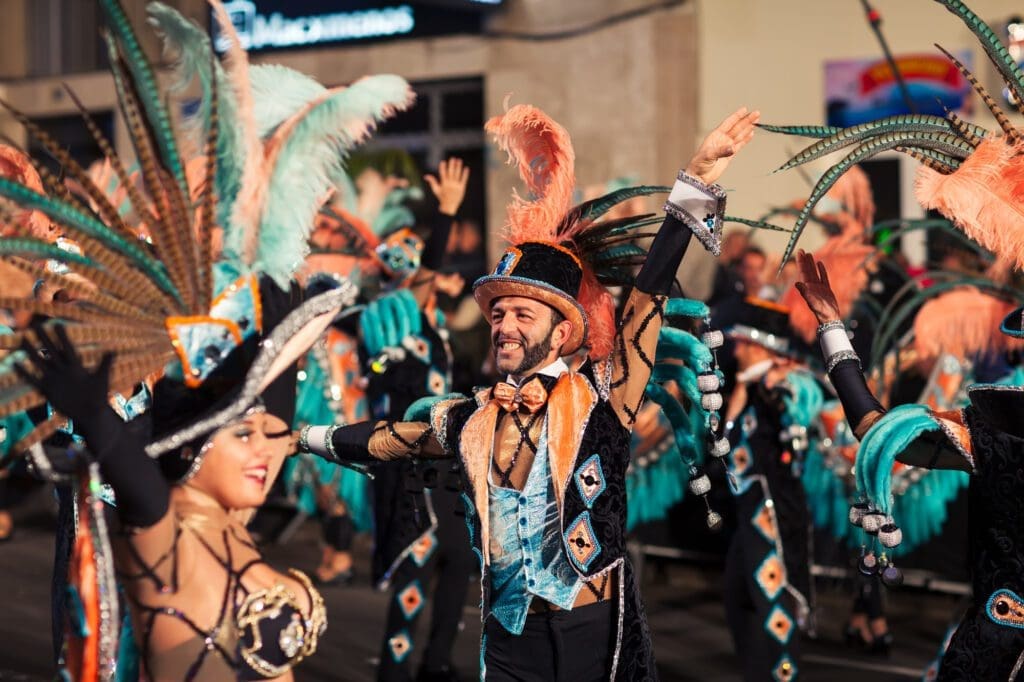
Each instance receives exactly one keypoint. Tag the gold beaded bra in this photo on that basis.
(259, 633)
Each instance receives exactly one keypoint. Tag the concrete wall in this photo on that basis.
(636, 95)
(626, 92)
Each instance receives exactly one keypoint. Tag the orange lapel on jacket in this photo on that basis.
(569, 407)
(475, 446)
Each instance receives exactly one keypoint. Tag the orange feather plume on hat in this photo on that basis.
(984, 197)
(961, 323)
(543, 154)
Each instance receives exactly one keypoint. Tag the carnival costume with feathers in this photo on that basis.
(151, 302)
(972, 176)
(574, 435)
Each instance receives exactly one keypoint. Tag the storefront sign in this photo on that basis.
(280, 24)
(861, 90)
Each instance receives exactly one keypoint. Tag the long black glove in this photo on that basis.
(82, 395)
(663, 257)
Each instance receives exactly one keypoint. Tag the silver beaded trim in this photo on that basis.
(303, 443)
(709, 237)
(828, 326)
(197, 462)
(840, 356)
(776, 344)
(324, 303)
(110, 617)
(329, 442)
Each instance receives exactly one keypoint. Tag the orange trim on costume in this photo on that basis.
(768, 305)
(952, 422)
(172, 323)
(568, 252)
(345, 372)
(569, 407)
(83, 651)
(476, 443)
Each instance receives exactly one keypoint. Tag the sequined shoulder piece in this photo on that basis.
(439, 412)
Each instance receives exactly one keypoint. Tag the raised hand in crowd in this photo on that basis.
(449, 185)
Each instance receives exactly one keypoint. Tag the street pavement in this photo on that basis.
(683, 604)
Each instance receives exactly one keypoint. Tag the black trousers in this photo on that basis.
(557, 646)
(750, 614)
(453, 563)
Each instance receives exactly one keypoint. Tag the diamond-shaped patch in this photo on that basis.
(401, 645)
(784, 670)
(410, 599)
(418, 346)
(764, 521)
(740, 460)
(779, 625)
(582, 542)
(590, 480)
(771, 576)
(437, 383)
(423, 548)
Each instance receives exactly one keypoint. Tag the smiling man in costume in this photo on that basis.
(543, 454)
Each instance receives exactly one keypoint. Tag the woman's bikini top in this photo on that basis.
(259, 634)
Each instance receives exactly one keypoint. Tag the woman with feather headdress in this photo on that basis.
(972, 176)
(216, 336)
(543, 454)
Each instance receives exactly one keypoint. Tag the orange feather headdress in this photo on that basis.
(561, 254)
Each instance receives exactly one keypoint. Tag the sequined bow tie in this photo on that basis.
(531, 396)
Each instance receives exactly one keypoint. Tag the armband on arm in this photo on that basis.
(843, 366)
(700, 207)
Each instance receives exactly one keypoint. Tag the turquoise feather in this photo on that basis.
(419, 411)
(594, 209)
(687, 307)
(678, 344)
(386, 321)
(921, 510)
(35, 249)
(279, 93)
(312, 408)
(906, 123)
(942, 141)
(757, 224)
(71, 218)
(804, 399)
(801, 131)
(653, 489)
(193, 53)
(890, 436)
(993, 47)
(149, 93)
(309, 159)
(395, 214)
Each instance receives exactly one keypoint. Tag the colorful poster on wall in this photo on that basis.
(861, 90)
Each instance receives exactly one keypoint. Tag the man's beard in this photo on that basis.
(533, 355)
